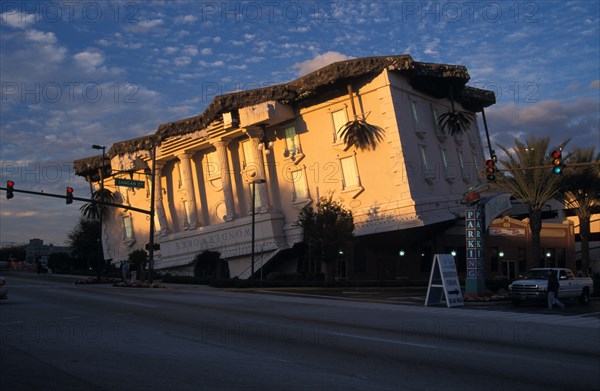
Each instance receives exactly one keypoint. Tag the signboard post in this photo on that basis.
(443, 282)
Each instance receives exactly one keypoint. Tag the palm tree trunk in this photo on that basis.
(584, 234)
(350, 93)
(535, 225)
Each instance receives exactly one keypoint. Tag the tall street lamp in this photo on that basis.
(101, 194)
(254, 182)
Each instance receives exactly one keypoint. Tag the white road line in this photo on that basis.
(384, 340)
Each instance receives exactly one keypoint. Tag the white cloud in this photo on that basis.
(186, 19)
(206, 51)
(40, 37)
(89, 60)
(319, 61)
(145, 25)
(17, 19)
(182, 61)
(190, 50)
(211, 64)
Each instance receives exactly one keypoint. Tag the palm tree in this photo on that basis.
(358, 132)
(581, 192)
(529, 178)
(455, 122)
(97, 211)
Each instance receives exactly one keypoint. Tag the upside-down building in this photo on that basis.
(274, 150)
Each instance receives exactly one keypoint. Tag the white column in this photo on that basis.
(158, 199)
(223, 161)
(262, 192)
(188, 186)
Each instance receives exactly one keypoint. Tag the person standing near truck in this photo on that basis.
(552, 289)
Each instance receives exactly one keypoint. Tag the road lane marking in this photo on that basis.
(385, 340)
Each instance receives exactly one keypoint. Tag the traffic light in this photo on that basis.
(557, 162)
(9, 189)
(69, 195)
(490, 169)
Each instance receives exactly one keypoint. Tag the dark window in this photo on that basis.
(360, 260)
(426, 259)
(493, 259)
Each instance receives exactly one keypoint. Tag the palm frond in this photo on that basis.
(455, 122)
(93, 210)
(361, 134)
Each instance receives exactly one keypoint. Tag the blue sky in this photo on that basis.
(79, 73)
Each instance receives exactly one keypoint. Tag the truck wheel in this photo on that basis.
(585, 296)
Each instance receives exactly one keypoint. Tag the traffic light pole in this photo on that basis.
(148, 212)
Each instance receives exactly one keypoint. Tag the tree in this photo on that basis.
(85, 243)
(98, 211)
(533, 186)
(580, 187)
(358, 132)
(327, 230)
(453, 121)
(138, 260)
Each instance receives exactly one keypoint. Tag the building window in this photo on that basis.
(339, 118)
(299, 186)
(449, 170)
(127, 228)
(444, 157)
(292, 145)
(350, 176)
(423, 154)
(349, 172)
(464, 171)
(420, 131)
(415, 114)
(425, 260)
(360, 260)
(439, 132)
(494, 258)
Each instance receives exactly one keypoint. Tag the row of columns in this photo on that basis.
(227, 188)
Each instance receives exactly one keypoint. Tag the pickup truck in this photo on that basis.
(533, 286)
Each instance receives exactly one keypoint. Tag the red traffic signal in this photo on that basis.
(490, 170)
(9, 189)
(69, 195)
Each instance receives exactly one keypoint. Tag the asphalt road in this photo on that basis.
(59, 336)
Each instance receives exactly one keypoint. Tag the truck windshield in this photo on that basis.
(537, 275)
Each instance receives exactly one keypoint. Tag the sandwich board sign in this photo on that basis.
(443, 282)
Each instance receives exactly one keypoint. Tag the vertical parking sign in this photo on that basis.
(474, 248)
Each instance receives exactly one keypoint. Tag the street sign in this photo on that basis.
(130, 183)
